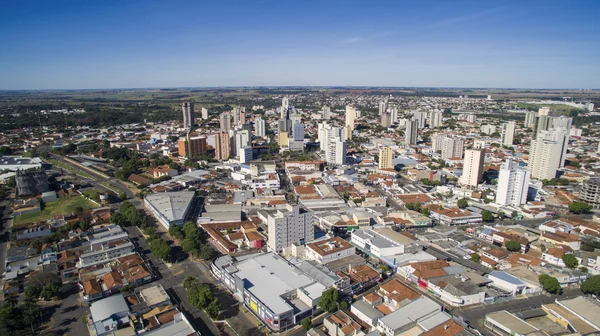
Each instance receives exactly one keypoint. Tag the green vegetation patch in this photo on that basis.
(55, 208)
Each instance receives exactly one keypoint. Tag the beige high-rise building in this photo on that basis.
(283, 140)
(547, 153)
(386, 119)
(188, 114)
(350, 119)
(222, 146)
(385, 158)
(204, 113)
(437, 140)
(435, 119)
(473, 167)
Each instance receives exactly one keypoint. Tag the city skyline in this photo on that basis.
(225, 44)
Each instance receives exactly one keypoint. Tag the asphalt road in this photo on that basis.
(172, 277)
(475, 314)
(66, 317)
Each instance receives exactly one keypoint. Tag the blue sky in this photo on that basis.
(120, 44)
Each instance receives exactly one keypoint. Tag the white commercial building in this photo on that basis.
(513, 183)
(288, 225)
(170, 208)
(328, 250)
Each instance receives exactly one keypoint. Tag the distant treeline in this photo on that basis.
(93, 116)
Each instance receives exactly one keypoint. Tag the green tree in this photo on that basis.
(205, 252)
(591, 285)
(425, 212)
(189, 282)
(189, 229)
(570, 260)
(344, 305)
(462, 203)
(550, 284)
(583, 269)
(4, 150)
(175, 231)
(188, 245)
(514, 214)
(487, 216)
(476, 258)
(384, 267)
(513, 246)
(306, 323)
(329, 300)
(580, 207)
(214, 309)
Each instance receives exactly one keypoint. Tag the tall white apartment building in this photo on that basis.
(436, 141)
(204, 113)
(452, 148)
(394, 114)
(385, 158)
(547, 153)
(543, 111)
(470, 118)
(420, 117)
(410, 134)
(513, 183)
(287, 226)
(435, 119)
(260, 127)
(336, 152)
(562, 122)
(473, 167)
(508, 133)
(328, 133)
(530, 117)
(381, 107)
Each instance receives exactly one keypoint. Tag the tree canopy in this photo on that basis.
(591, 285)
(513, 246)
(580, 207)
(329, 300)
(550, 284)
(570, 260)
(462, 203)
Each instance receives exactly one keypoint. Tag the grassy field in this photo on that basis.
(55, 208)
(554, 107)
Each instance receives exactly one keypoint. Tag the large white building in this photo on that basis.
(288, 225)
(260, 127)
(452, 148)
(513, 183)
(204, 113)
(170, 208)
(508, 133)
(547, 153)
(410, 134)
(336, 152)
(435, 119)
(420, 117)
(329, 250)
(530, 117)
(437, 140)
(473, 167)
(381, 107)
(298, 131)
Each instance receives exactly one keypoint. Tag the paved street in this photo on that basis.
(475, 314)
(66, 317)
(172, 277)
